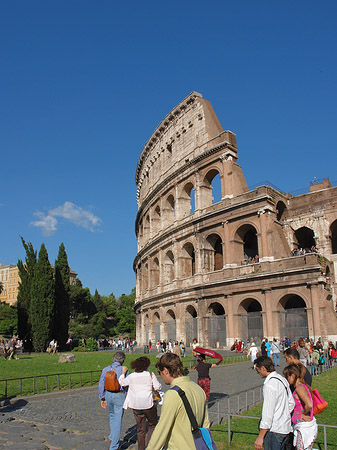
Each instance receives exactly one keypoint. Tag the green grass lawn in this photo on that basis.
(35, 364)
(244, 431)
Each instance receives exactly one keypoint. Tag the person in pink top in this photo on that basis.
(304, 423)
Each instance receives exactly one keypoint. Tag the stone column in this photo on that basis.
(228, 306)
(315, 318)
(268, 325)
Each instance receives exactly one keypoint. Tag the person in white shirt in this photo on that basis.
(252, 353)
(140, 398)
(278, 403)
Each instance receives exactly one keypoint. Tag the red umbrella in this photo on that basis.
(208, 352)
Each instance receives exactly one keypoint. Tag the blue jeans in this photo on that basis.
(274, 441)
(276, 358)
(115, 401)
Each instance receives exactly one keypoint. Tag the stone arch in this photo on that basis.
(245, 243)
(145, 276)
(188, 260)
(293, 317)
(187, 200)
(211, 187)
(216, 325)
(333, 237)
(213, 253)
(171, 326)
(156, 218)
(155, 272)
(156, 320)
(251, 320)
(169, 209)
(305, 238)
(169, 272)
(191, 324)
(281, 210)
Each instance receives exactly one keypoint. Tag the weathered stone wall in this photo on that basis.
(192, 267)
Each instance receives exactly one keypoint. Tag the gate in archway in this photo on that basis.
(157, 331)
(146, 333)
(191, 330)
(294, 323)
(252, 326)
(171, 330)
(217, 331)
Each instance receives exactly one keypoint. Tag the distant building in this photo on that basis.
(252, 263)
(9, 277)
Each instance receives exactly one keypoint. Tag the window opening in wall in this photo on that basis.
(169, 149)
(213, 259)
(305, 238)
(293, 317)
(171, 326)
(191, 325)
(250, 247)
(333, 234)
(188, 260)
(217, 325)
(281, 208)
(169, 267)
(155, 273)
(212, 188)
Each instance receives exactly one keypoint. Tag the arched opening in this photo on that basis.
(155, 273)
(140, 231)
(145, 277)
(251, 320)
(146, 329)
(187, 200)
(156, 219)
(169, 267)
(217, 325)
(245, 244)
(169, 210)
(147, 227)
(211, 188)
(293, 317)
(156, 319)
(305, 238)
(333, 237)
(213, 253)
(281, 209)
(191, 324)
(171, 325)
(188, 260)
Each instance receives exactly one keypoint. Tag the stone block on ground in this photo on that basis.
(67, 357)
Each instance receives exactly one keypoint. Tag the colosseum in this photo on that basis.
(246, 264)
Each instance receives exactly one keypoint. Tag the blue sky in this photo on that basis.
(83, 84)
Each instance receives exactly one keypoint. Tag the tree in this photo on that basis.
(62, 298)
(42, 301)
(1, 287)
(125, 315)
(26, 273)
(8, 319)
(98, 302)
(79, 299)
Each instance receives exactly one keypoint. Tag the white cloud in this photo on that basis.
(46, 223)
(69, 211)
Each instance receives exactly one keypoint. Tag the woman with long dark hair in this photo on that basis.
(304, 423)
(140, 397)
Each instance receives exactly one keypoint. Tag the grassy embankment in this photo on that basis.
(244, 431)
(44, 364)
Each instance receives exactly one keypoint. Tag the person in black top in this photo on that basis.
(292, 357)
(203, 368)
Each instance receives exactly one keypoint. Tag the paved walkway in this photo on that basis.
(74, 419)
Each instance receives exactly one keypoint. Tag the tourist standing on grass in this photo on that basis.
(278, 403)
(174, 429)
(203, 368)
(114, 400)
(140, 398)
(304, 423)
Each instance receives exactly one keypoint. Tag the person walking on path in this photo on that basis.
(174, 427)
(278, 403)
(275, 347)
(304, 423)
(252, 353)
(114, 400)
(140, 397)
(203, 368)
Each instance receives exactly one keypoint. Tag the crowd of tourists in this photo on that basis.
(287, 420)
(124, 344)
(10, 347)
(303, 251)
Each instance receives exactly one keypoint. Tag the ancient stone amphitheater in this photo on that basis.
(218, 261)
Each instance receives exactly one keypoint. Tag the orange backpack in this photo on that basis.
(111, 382)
